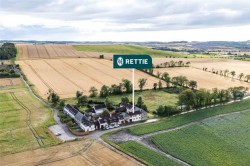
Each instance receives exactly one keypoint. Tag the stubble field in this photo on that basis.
(211, 63)
(52, 51)
(86, 152)
(66, 76)
(204, 79)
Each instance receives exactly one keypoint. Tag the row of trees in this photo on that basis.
(202, 98)
(124, 87)
(178, 80)
(7, 51)
(115, 89)
(226, 73)
(173, 64)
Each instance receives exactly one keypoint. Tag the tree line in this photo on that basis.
(171, 82)
(227, 73)
(190, 99)
(173, 64)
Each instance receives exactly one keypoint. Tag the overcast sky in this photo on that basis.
(125, 20)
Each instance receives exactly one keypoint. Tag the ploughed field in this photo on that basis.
(86, 152)
(51, 51)
(66, 76)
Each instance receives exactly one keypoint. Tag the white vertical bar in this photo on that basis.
(133, 80)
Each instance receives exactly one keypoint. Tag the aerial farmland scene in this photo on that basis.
(124, 83)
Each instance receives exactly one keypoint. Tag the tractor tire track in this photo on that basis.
(64, 76)
(45, 83)
(28, 120)
(82, 72)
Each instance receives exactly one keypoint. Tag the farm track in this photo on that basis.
(28, 120)
(45, 83)
(51, 160)
(82, 72)
(64, 76)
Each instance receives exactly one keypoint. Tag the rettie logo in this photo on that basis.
(120, 61)
(132, 61)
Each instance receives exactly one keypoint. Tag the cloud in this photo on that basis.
(89, 17)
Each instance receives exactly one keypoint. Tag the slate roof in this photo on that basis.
(100, 106)
(109, 119)
(127, 105)
(121, 109)
(71, 109)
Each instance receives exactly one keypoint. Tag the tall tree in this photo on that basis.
(155, 86)
(140, 102)
(241, 75)
(93, 91)
(233, 73)
(78, 94)
(127, 85)
(104, 92)
(192, 84)
(142, 83)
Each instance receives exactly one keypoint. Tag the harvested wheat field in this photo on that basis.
(51, 51)
(66, 76)
(215, 64)
(10, 82)
(204, 79)
(86, 152)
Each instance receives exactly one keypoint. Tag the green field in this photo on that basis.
(168, 123)
(148, 156)
(127, 49)
(216, 141)
(152, 98)
(24, 121)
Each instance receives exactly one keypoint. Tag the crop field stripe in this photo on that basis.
(82, 72)
(65, 51)
(46, 51)
(39, 76)
(122, 71)
(28, 121)
(37, 51)
(55, 51)
(64, 76)
(101, 71)
(50, 50)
